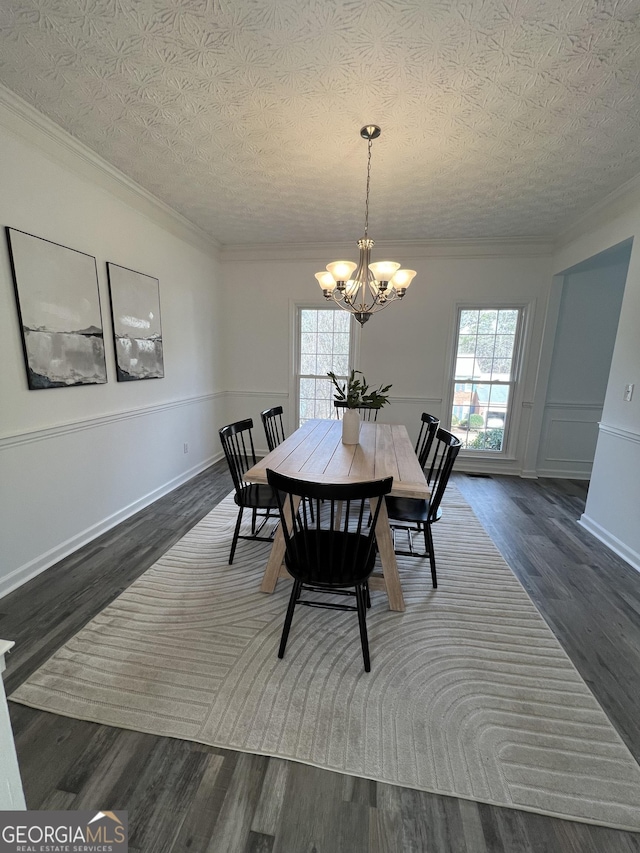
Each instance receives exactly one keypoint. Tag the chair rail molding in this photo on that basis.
(619, 432)
(561, 404)
(277, 395)
(435, 401)
(55, 430)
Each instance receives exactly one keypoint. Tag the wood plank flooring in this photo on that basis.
(187, 798)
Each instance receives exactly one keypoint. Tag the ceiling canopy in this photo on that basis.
(500, 117)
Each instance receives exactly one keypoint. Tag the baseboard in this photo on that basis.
(469, 465)
(564, 474)
(616, 545)
(34, 567)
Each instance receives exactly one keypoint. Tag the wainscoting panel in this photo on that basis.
(568, 439)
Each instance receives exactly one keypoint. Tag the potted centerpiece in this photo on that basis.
(354, 394)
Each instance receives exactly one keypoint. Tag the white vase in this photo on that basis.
(351, 426)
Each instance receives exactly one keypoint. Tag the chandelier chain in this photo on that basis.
(366, 204)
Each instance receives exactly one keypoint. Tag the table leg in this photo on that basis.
(384, 539)
(272, 571)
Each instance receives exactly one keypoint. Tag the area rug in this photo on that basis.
(470, 693)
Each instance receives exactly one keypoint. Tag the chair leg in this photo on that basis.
(235, 536)
(428, 544)
(254, 516)
(362, 619)
(366, 586)
(295, 595)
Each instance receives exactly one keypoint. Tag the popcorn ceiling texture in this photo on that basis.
(500, 117)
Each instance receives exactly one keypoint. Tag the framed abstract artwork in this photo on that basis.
(137, 331)
(59, 311)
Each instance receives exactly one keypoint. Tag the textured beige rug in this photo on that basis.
(470, 693)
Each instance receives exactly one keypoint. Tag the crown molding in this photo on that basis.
(490, 247)
(23, 120)
(614, 204)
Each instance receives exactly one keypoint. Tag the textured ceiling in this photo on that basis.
(499, 117)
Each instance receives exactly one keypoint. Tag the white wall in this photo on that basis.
(409, 344)
(74, 461)
(586, 331)
(614, 494)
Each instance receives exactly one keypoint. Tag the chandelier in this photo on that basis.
(373, 286)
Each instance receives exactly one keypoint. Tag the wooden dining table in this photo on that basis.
(315, 452)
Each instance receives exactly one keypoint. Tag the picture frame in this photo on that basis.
(58, 302)
(137, 327)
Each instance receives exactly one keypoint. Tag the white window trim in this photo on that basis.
(294, 351)
(521, 347)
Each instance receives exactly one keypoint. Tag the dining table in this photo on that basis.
(315, 453)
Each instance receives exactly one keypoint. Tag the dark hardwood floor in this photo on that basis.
(184, 797)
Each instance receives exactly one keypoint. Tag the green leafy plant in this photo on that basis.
(355, 392)
(490, 439)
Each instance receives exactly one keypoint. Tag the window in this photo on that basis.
(484, 376)
(324, 344)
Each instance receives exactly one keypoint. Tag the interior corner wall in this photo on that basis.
(75, 461)
(584, 341)
(409, 344)
(611, 512)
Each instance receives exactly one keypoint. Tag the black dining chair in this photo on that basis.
(368, 413)
(273, 426)
(428, 427)
(334, 552)
(237, 443)
(417, 514)
(274, 429)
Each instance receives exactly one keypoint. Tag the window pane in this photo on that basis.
(487, 322)
(308, 343)
(308, 321)
(324, 389)
(308, 388)
(325, 362)
(341, 365)
(341, 343)
(501, 369)
(465, 366)
(466, 344)
(307, 364)
(341, 322)
(325, 321)
(324, 409)
(325, 343)
(507, 321)
(469, 322)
